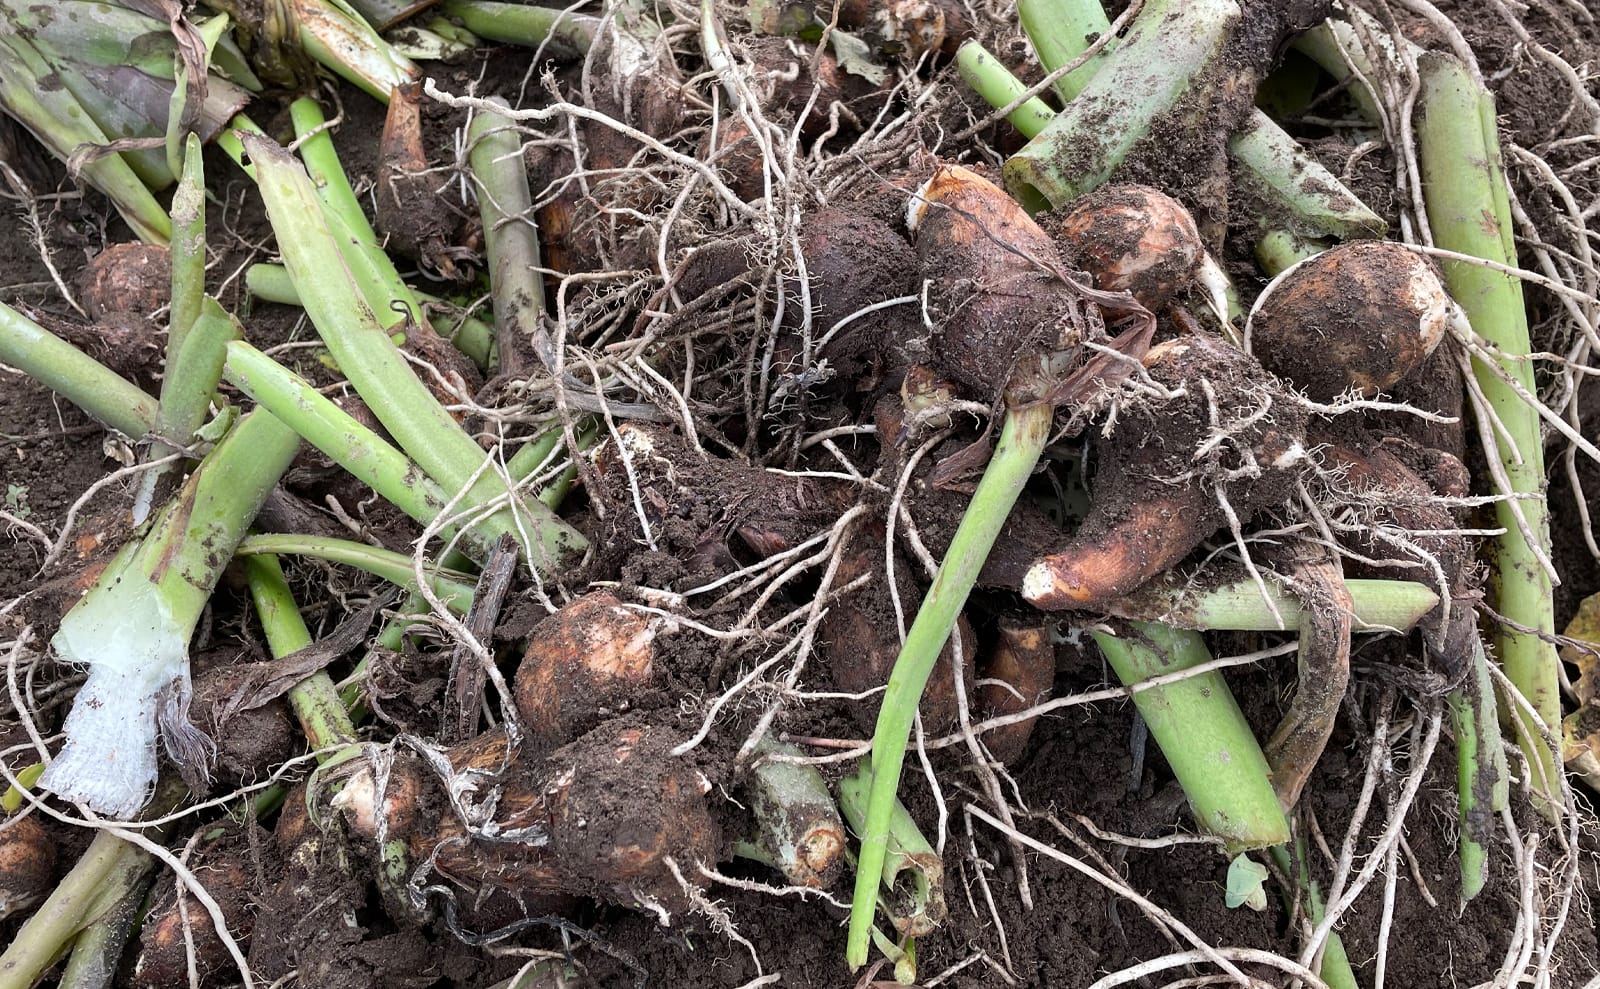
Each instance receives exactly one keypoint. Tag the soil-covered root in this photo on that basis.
(1401, 529)
(225, 861)
(1021, 669)
(1362, 316)
(606, 816)
(1220, 438)
(27, 863)
(584, 664)
(251, 740)
(1131, 238)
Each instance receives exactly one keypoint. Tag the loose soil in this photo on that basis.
(325, 914)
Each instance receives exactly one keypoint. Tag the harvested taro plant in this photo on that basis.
(786, 492)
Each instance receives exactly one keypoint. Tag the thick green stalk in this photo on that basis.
(1297, 191)
(561, 32)
(423, 428)
(1022, 439)
(1241, 607)
(106, 396)
(1279, 250)
(315, 700)
(359, 450)
(1483, 785)
(1152, 75)
(455, 590)
(798, 825)
(1469, 213)
(342, 42)
(1203, 735)
(1062, 30)
(271, 283)
(109, 924)
(915, 911)
(991, 80)
(190, 380)
(510, 238)
(375, 273)
(188, 247)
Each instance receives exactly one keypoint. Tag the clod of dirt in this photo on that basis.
(226, 862)
(1131, 238)
(132, 277)
(600, 817)
(1224, 433)
(410, 212)
(27, 863)
(692, 503)
(584, 664)
(1361, 316)
(251, 743)
(860, 637)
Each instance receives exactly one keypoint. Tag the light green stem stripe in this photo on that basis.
(354, 447)
(454, 591)
(85, 382)
(315, 700)
(1469, 213)
(1062, 30)
(511, 240)
(188, 247)
(992, 81)
(1203, 734)
(1022, 439)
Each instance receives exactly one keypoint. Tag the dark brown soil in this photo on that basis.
(317, 902)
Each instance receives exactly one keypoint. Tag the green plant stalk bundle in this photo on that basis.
(108, 867)
(563, 33)
(1378, 605)
(359, 450)
(1469, 212)
(132, 628)
(473, 337)
(369, 358)
(1167, 53)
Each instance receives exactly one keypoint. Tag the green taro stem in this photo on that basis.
(1022, 440)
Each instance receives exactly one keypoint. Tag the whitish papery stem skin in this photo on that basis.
(1203, 734)
(369, 358)
(990, 79)
(1469, 213)
(1022, 440)
(1170, 45)
(106, 396)
(348, 46)
(1062, 30)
